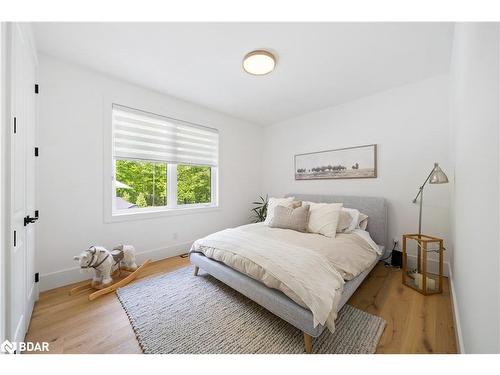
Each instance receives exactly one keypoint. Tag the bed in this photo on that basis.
(277, 301)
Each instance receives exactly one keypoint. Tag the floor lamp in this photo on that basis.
(437, 176)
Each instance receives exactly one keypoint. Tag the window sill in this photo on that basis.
(117, 217)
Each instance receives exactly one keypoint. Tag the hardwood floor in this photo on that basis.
(415, 324)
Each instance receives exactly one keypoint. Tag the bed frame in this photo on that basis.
(277, 302)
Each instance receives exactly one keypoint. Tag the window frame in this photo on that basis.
(112, 214)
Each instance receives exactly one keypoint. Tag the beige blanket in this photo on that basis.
(308, 268)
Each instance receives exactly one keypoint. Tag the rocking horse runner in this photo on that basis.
(104, 263)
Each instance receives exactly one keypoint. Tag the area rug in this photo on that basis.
(181, 313)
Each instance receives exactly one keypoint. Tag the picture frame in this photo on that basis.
(342, 163)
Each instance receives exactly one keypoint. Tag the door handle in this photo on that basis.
(29, 220)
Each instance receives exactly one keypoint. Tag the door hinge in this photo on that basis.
(36, 88)
(15, 238)
(15, 125)
(36, 151)
(37, 277)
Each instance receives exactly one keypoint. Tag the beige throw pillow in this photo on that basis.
(363, 221)
(323, 218)
(355, 219)
(290, 218)
(350, 219)
(273, 202)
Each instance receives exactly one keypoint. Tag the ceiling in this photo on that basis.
(319, 64)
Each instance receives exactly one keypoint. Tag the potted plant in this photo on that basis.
(259, 212)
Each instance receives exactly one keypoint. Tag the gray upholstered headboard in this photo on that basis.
(374, 207)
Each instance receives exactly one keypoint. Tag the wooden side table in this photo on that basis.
(422, 280)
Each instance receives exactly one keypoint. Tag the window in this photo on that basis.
(140, 184)
(161, 163)
(193, 184)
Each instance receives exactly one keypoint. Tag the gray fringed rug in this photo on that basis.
(182, 313)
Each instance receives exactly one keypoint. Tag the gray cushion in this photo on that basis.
(290, 218)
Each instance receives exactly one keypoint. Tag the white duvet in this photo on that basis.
(308, 268)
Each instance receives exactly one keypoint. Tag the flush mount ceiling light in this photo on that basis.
(259, 62)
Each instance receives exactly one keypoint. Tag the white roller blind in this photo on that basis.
(146, 136)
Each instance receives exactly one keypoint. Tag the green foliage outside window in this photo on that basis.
(147, 183)
(141, 200)
(193, 184)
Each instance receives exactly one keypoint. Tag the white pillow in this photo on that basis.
(273, 202)
(355, 219)
(323, 218)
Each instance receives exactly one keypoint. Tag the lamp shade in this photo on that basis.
(438, 176)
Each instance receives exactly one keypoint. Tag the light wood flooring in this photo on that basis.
(415, 324)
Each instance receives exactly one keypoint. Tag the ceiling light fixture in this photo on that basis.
(259, 62)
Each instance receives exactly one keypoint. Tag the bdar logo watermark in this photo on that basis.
(9, 347)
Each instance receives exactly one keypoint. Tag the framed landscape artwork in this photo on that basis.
(351, 162)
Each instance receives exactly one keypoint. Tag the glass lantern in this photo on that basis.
(416, 275)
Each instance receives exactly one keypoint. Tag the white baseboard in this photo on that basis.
(456, 315)
(72, 275)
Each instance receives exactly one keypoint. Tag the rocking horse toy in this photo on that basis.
(105, 264)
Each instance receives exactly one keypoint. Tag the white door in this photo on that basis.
(23, 290)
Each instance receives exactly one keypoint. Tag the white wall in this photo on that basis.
(71, 161)
(409, 124)
(475, 143)
(3, 156)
